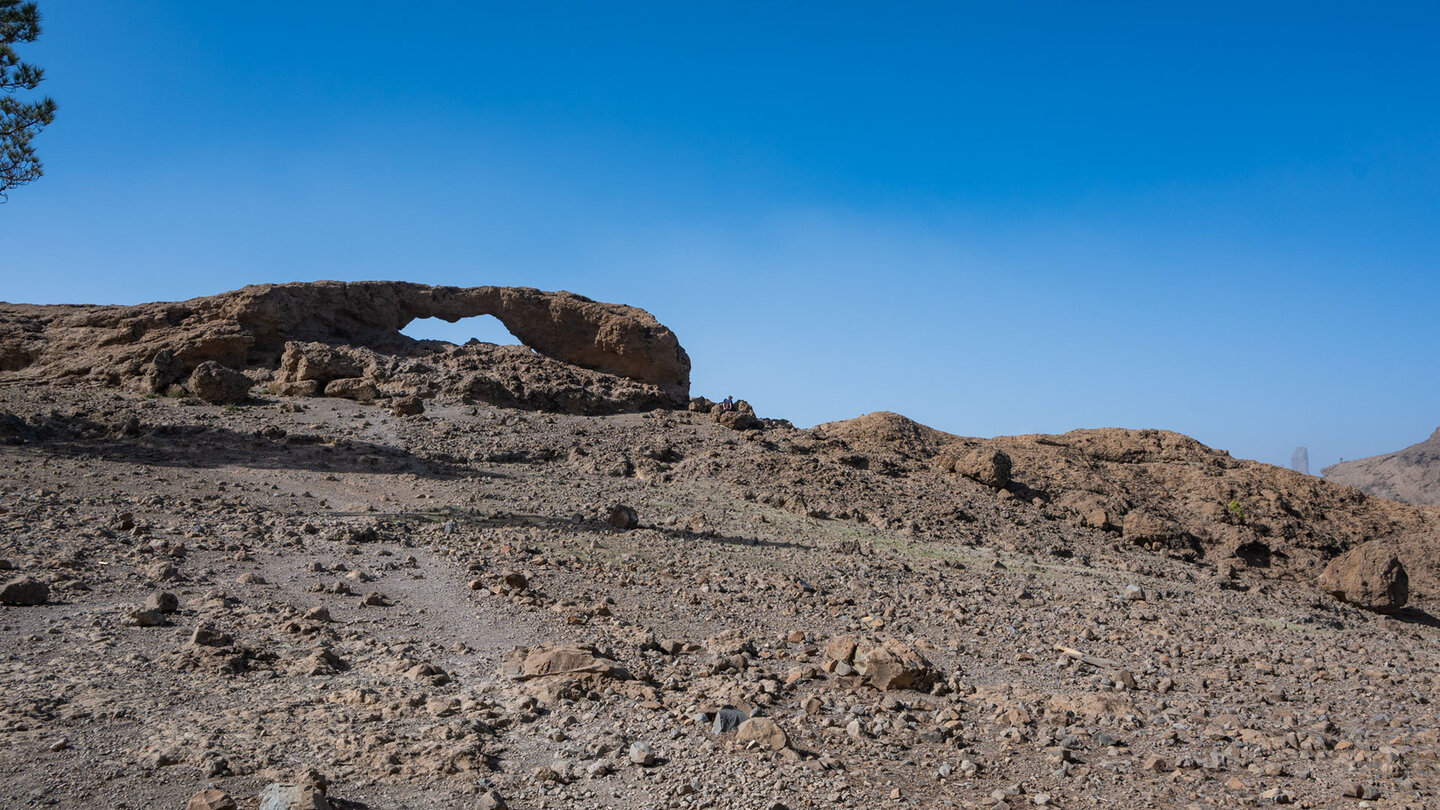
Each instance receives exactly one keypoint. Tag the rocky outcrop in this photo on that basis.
(251, 327)
(1411, 475)
(1163, 491)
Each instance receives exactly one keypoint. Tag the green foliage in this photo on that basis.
(19, 121)
(1237, 511)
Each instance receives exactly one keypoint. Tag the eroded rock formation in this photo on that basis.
(155, 345)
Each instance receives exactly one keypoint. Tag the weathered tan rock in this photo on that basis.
(1140, 526)
(279, 796)
(1369, 576)
(892, 664)
(356, 388)
(524, 663)
(764, 731)
(841, 648)
(210, 800)
(985, 465)
(218, 385)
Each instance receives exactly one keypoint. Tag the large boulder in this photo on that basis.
(885, 663)
(764, 731)
(984, 464)
(219, 385)
(739, 417)
(892, 664)
(1369, 576)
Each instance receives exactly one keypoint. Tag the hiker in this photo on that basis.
(728, 404)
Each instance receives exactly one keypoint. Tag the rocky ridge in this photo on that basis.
(1411, 475)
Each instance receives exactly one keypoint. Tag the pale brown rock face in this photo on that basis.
(1368, 576)
(250, 327)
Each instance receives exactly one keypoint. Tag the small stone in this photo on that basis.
(375, 599)
(727, 719)
(642, 754)
(210, 800)
(318, 614)
(250, 578)
(278, 796)
(207, 636)
(491, 800)
(146, 618)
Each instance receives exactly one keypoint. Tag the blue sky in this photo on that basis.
(1216, 218)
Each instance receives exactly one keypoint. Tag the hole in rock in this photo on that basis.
(484, 328)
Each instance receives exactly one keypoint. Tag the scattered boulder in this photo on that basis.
(623, 517)
(279, 796)
(162, 602)
(985, 465)
(407, 406)
(642, 754)
(728, 719)
(147, 618)
(1143, 527)
(886, 664)
(164, 371)
(740, 417)
(210, 800)
(207, 636)
(892, 664)
(1368, 576)
(764, 731)
(219, 385)
(356, 388)
(26, 591)
(525, 663)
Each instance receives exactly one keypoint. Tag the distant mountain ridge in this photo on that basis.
(1411, 475)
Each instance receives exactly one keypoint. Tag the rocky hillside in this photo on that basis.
(310, 593)
(1411, 475)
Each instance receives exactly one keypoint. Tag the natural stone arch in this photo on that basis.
(250, 327)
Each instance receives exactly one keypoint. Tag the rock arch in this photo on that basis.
(250, 327)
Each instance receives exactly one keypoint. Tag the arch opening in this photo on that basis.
(482, 328)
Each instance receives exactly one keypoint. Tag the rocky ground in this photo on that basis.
(447, 610)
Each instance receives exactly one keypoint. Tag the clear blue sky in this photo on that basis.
(1218, 218)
